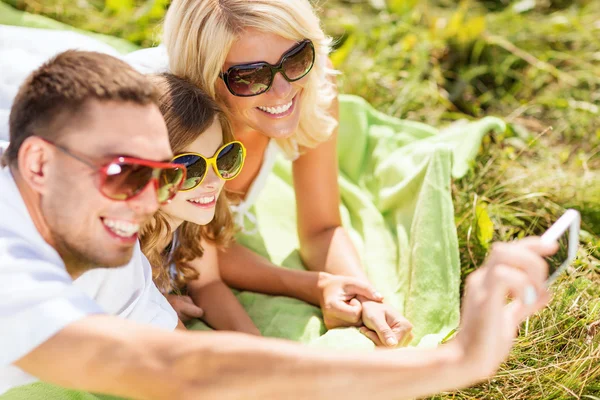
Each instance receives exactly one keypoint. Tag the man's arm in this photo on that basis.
(114, 356)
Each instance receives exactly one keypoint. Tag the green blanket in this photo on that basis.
(396, 203)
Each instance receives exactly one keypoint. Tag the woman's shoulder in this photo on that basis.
(153, 60)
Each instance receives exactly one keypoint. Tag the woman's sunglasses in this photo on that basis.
(227, 164)
(246, 80)
(126, 177)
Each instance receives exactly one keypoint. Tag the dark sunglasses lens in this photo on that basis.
(249, 81)
(170, 182)
(298, 64)
(230, 160)
(123, 181)
(196, 170)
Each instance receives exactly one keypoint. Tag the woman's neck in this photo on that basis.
(251, 138)
(256, 146)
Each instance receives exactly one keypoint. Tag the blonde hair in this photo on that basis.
(198, 35)
(188, 112)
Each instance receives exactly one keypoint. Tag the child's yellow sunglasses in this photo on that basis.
(227, 164)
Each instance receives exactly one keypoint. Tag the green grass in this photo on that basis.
(534, 63)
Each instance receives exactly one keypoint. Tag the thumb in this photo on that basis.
(379, 324)
(365, 289)
(191, 310)
(347, 311)
(355, 303)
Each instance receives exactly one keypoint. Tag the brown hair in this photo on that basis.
(53, 96)
(188, 112)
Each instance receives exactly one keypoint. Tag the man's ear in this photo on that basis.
(33, 161)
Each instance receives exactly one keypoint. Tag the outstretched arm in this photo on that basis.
(110, 355)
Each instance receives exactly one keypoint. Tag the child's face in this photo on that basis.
(198, 205)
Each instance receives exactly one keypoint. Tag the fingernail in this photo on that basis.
(530, 296)
(391, 341)
(378, 295)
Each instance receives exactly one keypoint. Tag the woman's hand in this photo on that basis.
(489, 325)
(385, 326)
(338, 299)
(184, 307)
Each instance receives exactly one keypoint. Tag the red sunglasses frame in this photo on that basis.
(157, 169)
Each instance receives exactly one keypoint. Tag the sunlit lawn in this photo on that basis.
(534, 63)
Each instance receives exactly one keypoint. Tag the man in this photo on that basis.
(87, 147)
(53, 215)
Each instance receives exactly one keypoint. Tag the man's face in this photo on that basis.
(88, 229)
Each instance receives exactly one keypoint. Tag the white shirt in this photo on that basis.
(38, 298)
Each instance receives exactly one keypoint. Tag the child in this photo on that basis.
(201, 139)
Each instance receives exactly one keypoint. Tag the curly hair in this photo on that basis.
(188, 112)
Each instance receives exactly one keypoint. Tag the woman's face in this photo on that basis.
(275, 113)
(198, 205)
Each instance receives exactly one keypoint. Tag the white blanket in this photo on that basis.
(22, 50)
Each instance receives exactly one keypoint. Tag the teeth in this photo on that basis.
(276, 110)
(203, 200)
(122, 228)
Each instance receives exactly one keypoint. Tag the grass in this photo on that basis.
(534, 63)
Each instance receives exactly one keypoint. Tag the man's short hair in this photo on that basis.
(54, 95)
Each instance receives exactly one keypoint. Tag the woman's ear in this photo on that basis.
(33, 160)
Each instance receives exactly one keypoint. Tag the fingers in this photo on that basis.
(361, 288)
(186, 309)
(540, 246)
(403, 331)
(346, 311)
(511, 281)
(519, 312)
(355, 304)
(371, 335)
(517, 284)
(520, 255)
(378, 323)
(186, 299)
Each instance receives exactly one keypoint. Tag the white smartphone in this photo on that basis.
(566, 232)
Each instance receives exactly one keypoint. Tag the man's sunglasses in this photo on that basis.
(246, 80)
(124, 178)
(227, 164)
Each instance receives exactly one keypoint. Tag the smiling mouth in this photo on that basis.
(204, 201)
(279, 111)
(125, 230)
